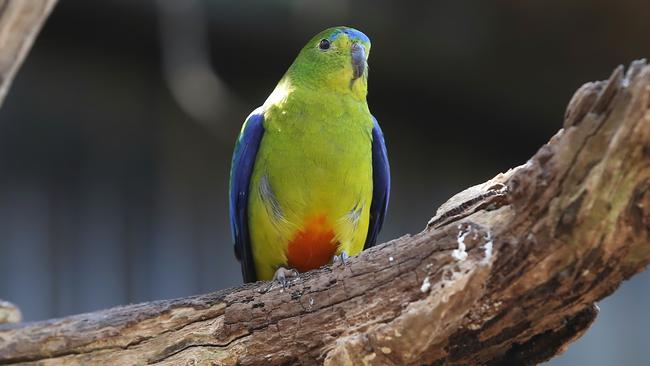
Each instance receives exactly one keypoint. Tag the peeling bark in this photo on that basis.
(505, 272)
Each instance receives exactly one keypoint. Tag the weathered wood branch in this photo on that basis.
(506, 272)
(20, 22)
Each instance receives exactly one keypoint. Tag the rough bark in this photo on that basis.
(20, 22)
(505, 272)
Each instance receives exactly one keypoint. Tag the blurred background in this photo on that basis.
(116, 137)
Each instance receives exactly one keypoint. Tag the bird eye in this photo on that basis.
(324, 44)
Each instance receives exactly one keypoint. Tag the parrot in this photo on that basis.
(310, 178)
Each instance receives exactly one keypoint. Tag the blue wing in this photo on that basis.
(241, 170)
(380, 185)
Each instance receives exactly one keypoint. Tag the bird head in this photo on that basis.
(335, 59)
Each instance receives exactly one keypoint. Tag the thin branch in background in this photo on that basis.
(20, 22)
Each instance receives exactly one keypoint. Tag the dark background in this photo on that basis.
(115, 140)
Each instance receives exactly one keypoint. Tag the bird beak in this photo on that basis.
(358, 53)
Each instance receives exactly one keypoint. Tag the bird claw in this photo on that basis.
(341, 259)
(282, 276)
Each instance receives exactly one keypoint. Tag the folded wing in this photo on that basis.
(241, 170)
(381, 185)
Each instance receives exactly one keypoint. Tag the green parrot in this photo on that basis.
(310, 179)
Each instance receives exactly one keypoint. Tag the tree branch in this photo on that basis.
(506, 272)
(20, 22)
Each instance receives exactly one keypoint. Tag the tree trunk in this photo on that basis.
(506, 272)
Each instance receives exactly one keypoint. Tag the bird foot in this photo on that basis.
(341, 259)
(282, 276)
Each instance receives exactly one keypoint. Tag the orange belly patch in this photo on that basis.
(312, 246)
